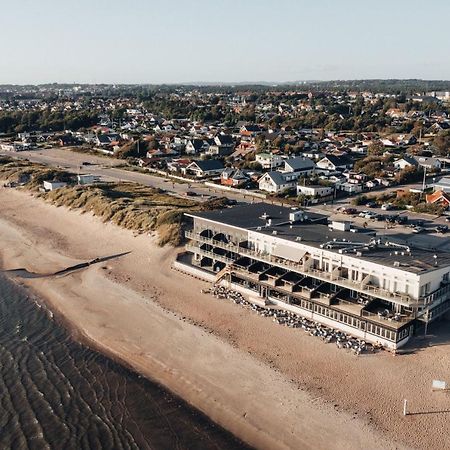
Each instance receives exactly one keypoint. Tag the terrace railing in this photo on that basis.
(331, 277)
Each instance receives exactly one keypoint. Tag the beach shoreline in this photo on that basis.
(235, 367)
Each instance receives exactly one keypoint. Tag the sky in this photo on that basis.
(182, 41)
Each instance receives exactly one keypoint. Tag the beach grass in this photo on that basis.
(132, 206)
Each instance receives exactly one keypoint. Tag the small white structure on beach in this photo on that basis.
(52, 185)
(84, 179)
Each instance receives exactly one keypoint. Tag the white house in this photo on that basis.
(406, 161)
(331, 162)
(315, 190)
(206, 168)
(269, 160)
(428, 162)
(300, 166)
(276, 182)
(350, 188)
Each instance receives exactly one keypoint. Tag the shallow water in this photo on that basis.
(56, 393)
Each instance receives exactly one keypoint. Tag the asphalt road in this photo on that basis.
(106, 168)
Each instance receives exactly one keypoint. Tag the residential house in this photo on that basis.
(233, 177)
(196, 146)
(276, 182)
(315, 190)
(333, 163)
(407, 139)
(250, 130)
(439, 198)
(269, 160)
(242, 151)
(406, 161)
(350, 188)
(204, 168)
(443, 184)
(299, 166)
(223, 145)
(371, 184)
(103, 140)
(355, 177)
(178, 165)
(428, 162)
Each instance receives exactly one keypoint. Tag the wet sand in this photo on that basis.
(57, 393)
(272, 386)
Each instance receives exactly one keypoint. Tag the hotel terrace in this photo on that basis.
(377, 288)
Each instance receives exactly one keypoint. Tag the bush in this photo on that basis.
(360, 200)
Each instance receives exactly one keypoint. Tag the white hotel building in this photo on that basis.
(377, 288)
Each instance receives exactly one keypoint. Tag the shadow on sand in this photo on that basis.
(438, 334)
(24, 273)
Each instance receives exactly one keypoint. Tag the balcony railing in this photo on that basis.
(222, 258)
(301, 268)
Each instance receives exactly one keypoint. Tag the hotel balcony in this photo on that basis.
(303, 268)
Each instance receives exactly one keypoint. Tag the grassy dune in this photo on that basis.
(135, 207)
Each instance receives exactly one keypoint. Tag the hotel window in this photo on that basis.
(425, 289)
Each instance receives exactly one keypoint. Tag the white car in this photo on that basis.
(370, 215)
(386, 206)
(363, 213)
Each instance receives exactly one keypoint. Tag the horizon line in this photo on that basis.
(227, 83)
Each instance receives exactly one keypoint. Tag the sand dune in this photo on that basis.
(274, 387)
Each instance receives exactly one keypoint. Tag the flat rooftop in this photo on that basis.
(314, 231)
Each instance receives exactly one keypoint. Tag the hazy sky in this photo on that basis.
(147, 41)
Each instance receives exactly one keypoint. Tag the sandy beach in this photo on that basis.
(272, 386)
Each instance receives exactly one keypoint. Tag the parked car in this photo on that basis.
(350, 211)
(363, 213)
(401, 220)
(370, 215)
(441, 229)
(386, 206)
(418, 230)
(416, 223)
(371, 204)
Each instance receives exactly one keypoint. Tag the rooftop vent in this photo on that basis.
(396, 263)
(275, 232)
